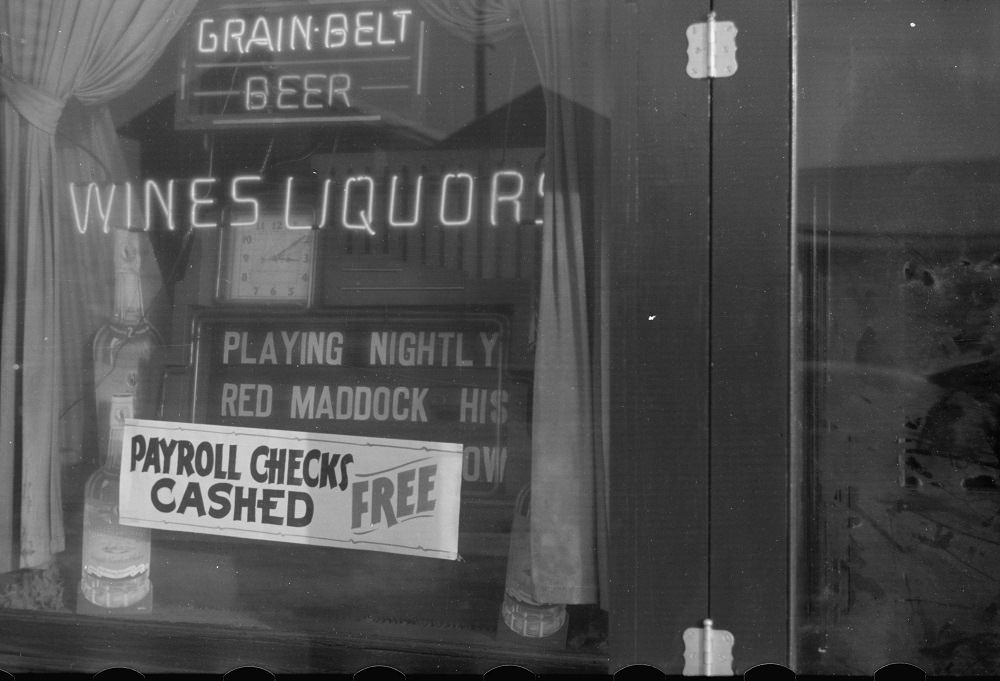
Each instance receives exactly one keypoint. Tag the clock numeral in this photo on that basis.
(274, 291)
(244, 277)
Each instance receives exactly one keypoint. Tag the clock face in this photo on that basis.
(267, 263)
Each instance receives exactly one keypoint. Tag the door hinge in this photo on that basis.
(712, 49)
(708, 651)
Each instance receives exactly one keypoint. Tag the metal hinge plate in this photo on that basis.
(708, 651)
(712, 49)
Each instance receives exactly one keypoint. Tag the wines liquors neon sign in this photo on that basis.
(446, 189)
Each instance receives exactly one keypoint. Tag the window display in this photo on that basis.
(275, 304)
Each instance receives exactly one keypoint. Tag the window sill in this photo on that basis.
(42, 642)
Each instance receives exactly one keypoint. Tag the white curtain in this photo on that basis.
(56, 281)
(475, 20)
(572, 44)
(571, 40)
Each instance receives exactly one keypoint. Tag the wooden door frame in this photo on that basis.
(658, 337)
(751, 520)
(700, 433)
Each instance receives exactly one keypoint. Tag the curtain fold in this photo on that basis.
(571, 41)
(57, 282)
(475, 20)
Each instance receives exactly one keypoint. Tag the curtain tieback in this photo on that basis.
(36, 106)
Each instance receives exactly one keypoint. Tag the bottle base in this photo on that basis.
(141, 608)
(532, 620)
(556, 640)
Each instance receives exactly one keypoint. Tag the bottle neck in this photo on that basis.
(128, 298)
(121, 409)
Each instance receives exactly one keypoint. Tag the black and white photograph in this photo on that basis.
(462, 337)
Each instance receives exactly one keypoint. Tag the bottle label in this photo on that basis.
(114, 551)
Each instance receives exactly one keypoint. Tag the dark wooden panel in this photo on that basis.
(750, 377)
(658, 337)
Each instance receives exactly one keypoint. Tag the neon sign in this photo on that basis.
(260, 65)
(298, 32)
(451, 190)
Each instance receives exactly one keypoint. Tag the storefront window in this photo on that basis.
(897, 284)
(299, 303)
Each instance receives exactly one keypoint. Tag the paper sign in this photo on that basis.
(397, 496)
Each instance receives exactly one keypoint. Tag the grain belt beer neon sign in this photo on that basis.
(256, 65)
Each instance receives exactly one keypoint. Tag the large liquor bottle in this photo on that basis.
(115, 557)
(126, 347)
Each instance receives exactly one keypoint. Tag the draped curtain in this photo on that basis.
(475, 20)
(62, 62)
(572, 43)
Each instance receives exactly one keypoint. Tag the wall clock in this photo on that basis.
(267, 263)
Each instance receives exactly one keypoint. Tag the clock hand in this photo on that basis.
(279, 254)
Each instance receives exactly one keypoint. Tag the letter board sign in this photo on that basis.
(427, 378)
